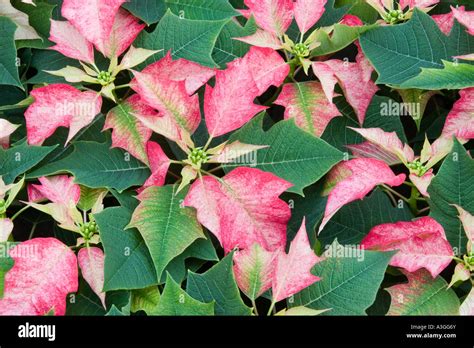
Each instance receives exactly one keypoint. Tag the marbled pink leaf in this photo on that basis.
(354, 79)
(274, 16)
(193, 74)
(307, 104)
(422, 4)
(464, 17)
(70, 42)
(44, 272)
(445, 21)
(308, 12)
(179, 112)
(421, 244)
(460, 120)
(59, 105)
(91, 262)
(94, 19)
(262, 38)
(243, 208)
(351, 20)
(293, 270)
(159, 164)
(267, 68)
(422, 182)
(253, 269)
(385, 142)
(124, 31)
(6, 228)
(230, 103)
(57, 189)
(371, 150)
(355, 179)
(128, 132)
(6, 129)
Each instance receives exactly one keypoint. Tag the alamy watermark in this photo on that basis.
(393, 108)
(345, 251)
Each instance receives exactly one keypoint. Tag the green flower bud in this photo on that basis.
(198, 156)
(105, 78)
(394, 16)
(301, 50)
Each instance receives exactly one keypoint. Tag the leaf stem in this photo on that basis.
(272, 306)
(32, 232)
(19, 212)
(254, 307)
(395, 193)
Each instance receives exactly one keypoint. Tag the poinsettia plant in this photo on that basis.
(240, 157)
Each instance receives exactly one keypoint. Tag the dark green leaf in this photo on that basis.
(128, 264)
(350, 279)
(8, 60)
(398, 52)
(20, 158)
(292, 153)
(218, 284)
(454, 184)
(97, 165)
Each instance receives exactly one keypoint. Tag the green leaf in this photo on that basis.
(423, 295)
(339, 135)
(310, 207)
(89, 197)
(218, 284)
(193, 40)
(167, 227)
(8, 68)
(128, 264)
(332, 14)
(145, 299)
(114, 312)
(398, 52)
(227, 48)
(352, 223)
(49, 60)
(124, 124)
(202, 9)
(6, 263)
(149, 11)
(453, 184)
(452, 76)
(121, 299)
(39, 17)
(200, 250)
(175, 301)
(341, 37)
(96, 165)
(84, 302)
(350, 279)
(293, 154)
(20, 158)
(361, 9)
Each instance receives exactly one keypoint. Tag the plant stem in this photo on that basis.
(270, 310)
(423, 210)
(32, 232)
(122, 86)
(412, 202)
(19, 212)
(254, 307)
(396, 193)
